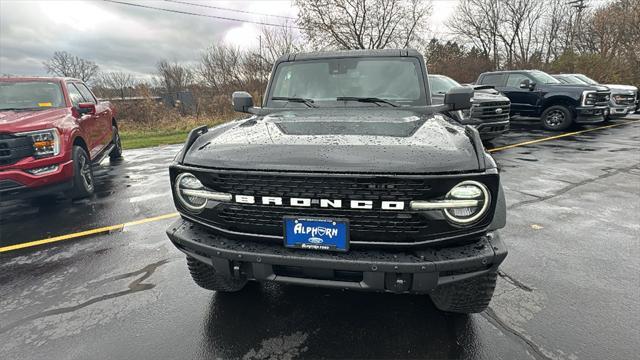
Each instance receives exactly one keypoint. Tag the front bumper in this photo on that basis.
(621, 110)
(17, 183)
(413, 271)
(591, 114)
(492, 130)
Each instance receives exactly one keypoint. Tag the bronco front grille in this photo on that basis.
(491, 111)
(340, 187)
(367, 221)
(368, 226)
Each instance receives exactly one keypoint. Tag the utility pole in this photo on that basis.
(579, 5)
(496, 61)
(260, 72)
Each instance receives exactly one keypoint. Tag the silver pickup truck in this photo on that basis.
(624, 98)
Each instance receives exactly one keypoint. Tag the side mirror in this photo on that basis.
(527, 84)
(458, 98)
(87, 108)
(241, 101)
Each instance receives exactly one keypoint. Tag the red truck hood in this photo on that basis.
(17, 121)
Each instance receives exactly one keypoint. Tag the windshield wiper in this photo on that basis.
(308, 102)
(374, 100)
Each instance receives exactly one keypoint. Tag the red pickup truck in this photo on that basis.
(52, 131)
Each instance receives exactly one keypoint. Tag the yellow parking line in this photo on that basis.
(118, 227)
(500, 148)
(101, 230)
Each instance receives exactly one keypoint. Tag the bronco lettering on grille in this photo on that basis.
(322, 203)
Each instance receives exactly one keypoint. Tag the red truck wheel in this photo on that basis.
(116, 153)
(83, 181)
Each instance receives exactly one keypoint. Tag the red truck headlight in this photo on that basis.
(45, 142)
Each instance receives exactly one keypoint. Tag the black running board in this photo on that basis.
(106, 151)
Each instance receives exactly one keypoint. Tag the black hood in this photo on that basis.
(338, 140)
(479, 96)
(574, 87)
(482, 96)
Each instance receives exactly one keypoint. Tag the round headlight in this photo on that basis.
(184, 183)
(468, 190)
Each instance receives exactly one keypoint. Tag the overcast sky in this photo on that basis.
(131, 39)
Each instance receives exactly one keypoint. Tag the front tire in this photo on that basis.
(467, 296)
(557, 118)
(83, 181)
(207, 278)
(116, 153)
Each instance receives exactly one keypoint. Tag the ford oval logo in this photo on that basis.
(499, 111)
(315, 240)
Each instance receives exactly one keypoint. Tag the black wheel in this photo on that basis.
(556, 118)
(83, 181)
(116, 153)
(467, 296)
(206, 277)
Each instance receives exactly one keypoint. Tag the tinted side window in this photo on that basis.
(514, 80)
(86, 93)
(493, 79)
(74, 95)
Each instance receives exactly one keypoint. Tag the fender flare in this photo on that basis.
(500, 215)
(560, 98)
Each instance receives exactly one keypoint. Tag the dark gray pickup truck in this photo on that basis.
(536, 94)
(348, 177)
(489, 112)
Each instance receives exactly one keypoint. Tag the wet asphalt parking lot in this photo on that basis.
(569, 288)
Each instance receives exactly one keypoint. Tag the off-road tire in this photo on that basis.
(206, 277)
(467, 296)
(116, 152)
(83, 180)
(556, 118)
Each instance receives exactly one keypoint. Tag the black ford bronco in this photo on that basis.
(536, 94)
(347, 177)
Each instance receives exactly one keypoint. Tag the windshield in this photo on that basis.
(441, 84)
(30, 95)
(572, 79)
(323, 81)
(586, 79)
(543, 78)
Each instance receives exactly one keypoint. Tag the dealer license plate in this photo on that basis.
(316, 234)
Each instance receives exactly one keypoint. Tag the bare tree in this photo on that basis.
(478, 21)
(455, 60)
(174, 77)
(118, 81)
(516, 33)
(362, 24)
(221, 66)
(557, 21)
(275, 42)
(614, 43)
(65, 64)
(519, 19)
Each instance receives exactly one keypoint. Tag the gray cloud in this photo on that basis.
(116, 37)
(126, 38)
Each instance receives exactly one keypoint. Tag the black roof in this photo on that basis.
(349, 53)
(510, 71)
